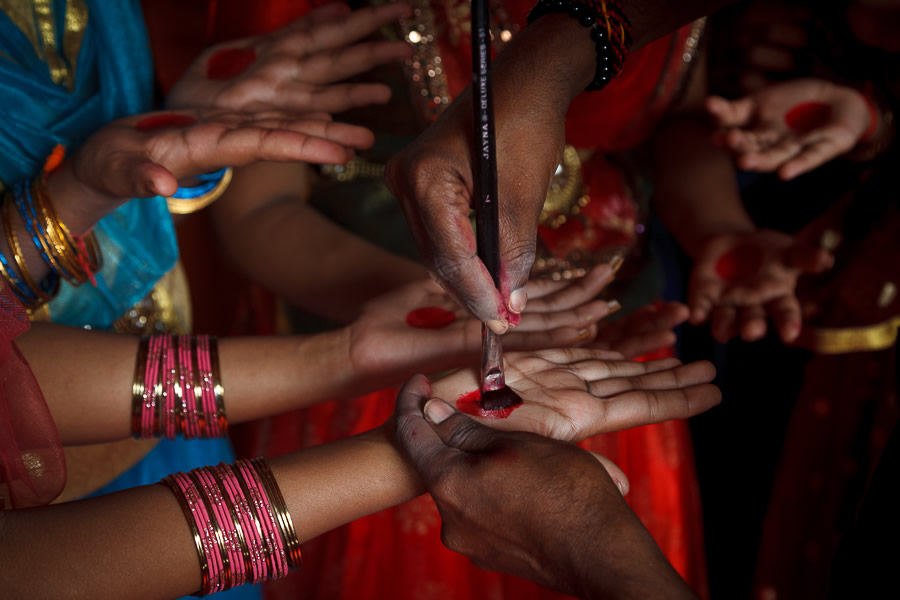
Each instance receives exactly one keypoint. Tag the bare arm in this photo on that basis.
(138, 543)
(293, 250)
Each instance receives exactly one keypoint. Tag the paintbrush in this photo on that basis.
(485, 185)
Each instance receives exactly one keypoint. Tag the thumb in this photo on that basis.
(615, 473)
(730, 113)
(457, 430)
(413, 435)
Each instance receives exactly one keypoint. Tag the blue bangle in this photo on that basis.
(35, 229)
(210, 181)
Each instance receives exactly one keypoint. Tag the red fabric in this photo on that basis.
(32, 465)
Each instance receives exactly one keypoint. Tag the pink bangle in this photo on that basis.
(204, 370)
(239, 545)
(201, 520)
(239, 523)
(222, 524)
(261, 504)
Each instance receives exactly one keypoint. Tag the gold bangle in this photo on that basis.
(186, 206)
(138, 385)
(218, 386)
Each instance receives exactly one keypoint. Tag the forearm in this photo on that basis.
(290, 248)
(298, 254)
(696, 193)
(138, 542)
(91, 373)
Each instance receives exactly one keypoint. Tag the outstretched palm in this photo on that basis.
(571, 394)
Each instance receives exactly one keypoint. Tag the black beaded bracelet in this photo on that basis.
(610, 30)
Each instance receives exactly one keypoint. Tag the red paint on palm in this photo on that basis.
(430, 317)
(739, 262)
(229, 62)
(807, 116)
(472, 403)
(165, 121)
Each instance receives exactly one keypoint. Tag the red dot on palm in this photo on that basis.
(807, 116)
(471, 404)
(430, 317)
(739, 262)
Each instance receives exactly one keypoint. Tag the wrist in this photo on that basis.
(85, 207)
(879, 132)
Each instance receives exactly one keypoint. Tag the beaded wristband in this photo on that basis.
(242, 531)
(610, 30)
(176, 388)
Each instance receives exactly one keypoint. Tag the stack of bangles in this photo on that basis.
(69, 256)
(242, 530)
(177, 389)
(610, 30)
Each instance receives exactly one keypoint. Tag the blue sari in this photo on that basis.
(111, 77)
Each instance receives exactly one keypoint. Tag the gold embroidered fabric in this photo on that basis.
(823, 340)
(37, 20)
(166, 309)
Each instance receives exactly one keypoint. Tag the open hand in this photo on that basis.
(642, 331)
(574, 393)
(791, 127)
(739, 280)
(146, 155)
(418, 327)
(301, 68)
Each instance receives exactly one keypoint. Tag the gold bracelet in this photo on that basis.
(186, 206)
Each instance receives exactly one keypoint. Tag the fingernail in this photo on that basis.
(517, 300)
(583, 334)
(621, 487)
(437, 410)
(613, 306)
(498, 327)
(615, 262)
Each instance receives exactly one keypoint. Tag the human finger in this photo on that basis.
(676, 376)
(342, 63)
(772, 157)
(415, 437)
(546, 295)
(785, 314)
(808, 258)
(566, 356)
(753, 322)
(457, 430)
(615, 473)
(644, 407)
(581, 316)
(559, 337)
(597, 370)
(339, 31)
(703, 294)
(815, 154)
(731, 113)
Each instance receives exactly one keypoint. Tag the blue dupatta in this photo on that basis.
(113, 78)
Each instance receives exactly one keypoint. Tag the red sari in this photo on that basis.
(397, 553)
